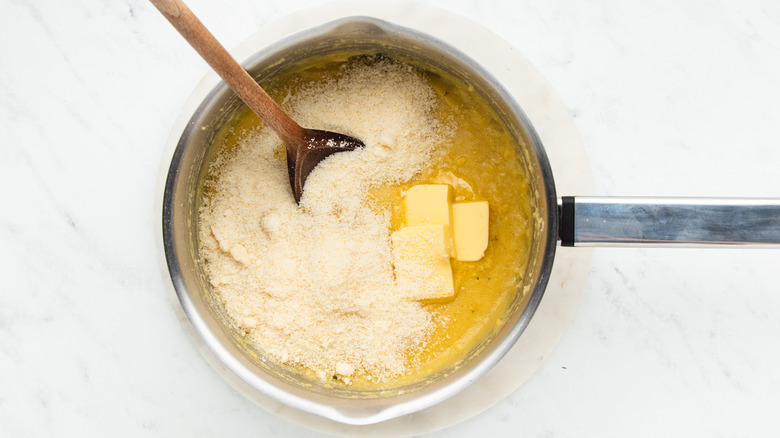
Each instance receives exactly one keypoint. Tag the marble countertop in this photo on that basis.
(671, 98)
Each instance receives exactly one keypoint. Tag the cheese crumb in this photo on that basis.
(344, 370)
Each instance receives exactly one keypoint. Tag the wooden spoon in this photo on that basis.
(305, 147)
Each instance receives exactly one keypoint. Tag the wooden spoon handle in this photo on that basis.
(237, 78)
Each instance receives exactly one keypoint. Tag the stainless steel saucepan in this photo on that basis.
(572, 221)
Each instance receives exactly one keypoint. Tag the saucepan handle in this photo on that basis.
(669, 222)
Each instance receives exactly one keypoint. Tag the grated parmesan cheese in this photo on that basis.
(312, 285)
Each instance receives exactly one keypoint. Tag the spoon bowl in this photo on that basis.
(317, 146)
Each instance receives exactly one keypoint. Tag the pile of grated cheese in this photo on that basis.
(312, 285)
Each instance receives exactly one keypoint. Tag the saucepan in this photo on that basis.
(563, 221)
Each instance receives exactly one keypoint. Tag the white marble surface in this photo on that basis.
(670, 97)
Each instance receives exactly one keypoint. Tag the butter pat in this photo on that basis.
(470, 230)
(429, 204)
(422, 263)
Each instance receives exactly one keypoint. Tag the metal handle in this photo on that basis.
(671, 222)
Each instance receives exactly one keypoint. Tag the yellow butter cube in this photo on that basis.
(421, 262)
(429, 204)
(470, 230)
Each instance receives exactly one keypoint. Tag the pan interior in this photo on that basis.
(183, 192)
